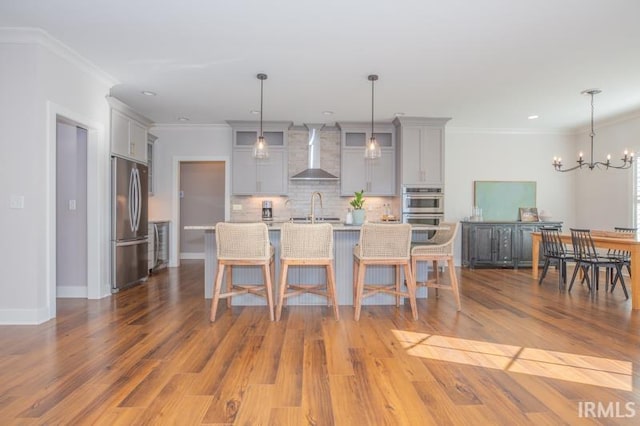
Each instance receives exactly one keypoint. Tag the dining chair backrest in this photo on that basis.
(618, 252)
(552, 244)
(583, 247)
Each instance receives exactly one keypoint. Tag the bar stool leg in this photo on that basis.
(453, 278)
(216, 291)
(359, 289)
(411, 287)
(331, 289)
(266, 269)
(396, 269)
(284, 269)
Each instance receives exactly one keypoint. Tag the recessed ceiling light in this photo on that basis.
(149, 93)
(183, 118)
(254, 112)
(398, 114)
(327, 112)
(532, 117)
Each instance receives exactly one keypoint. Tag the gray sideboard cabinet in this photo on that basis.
(499, 244)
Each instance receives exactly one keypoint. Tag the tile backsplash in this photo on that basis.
(298, 203)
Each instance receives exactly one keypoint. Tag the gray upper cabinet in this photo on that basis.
(377, 177)
(128, 132)
(251, 176)
(421, 150)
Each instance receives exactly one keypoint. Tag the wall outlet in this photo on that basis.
(72, 204)
(237, 207)
(16, 202)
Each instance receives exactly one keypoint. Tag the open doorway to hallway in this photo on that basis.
(71, 209)
(202, 202)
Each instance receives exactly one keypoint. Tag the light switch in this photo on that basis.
(237, 207)
(181, 194)
(16, 202)
(72, 204)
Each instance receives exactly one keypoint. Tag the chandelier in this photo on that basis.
(372, 150)
(627, 160)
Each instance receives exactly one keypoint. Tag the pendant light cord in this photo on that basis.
(372, 104)
(261, 96)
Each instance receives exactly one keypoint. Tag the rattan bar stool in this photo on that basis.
(439, 247)
(383, 244)
(243, 244)
(306, 245)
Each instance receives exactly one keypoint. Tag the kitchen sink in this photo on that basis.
(318, 219)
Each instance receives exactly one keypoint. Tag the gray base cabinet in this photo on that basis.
(499, 244)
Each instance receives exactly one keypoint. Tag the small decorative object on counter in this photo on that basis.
(358, 207)
(349, 219)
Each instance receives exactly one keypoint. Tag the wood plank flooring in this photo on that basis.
(517, 353)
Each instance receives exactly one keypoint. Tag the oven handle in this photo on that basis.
(423, 216)
(422, 196)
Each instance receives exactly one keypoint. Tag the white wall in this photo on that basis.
(177, 143)
(37, 81)
(472, 155)
(605, 198)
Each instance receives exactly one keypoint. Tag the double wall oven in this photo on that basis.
(422, 205)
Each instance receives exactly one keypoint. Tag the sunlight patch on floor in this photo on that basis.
(584, 369)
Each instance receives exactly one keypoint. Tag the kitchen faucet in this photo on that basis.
(313, 205)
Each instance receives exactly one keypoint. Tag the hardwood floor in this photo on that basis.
(517, 353)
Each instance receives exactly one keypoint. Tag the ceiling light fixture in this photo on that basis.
(183, 118)
(372, 150)
(260, 148)
(533, 117)
(149, 93)
(627, 160)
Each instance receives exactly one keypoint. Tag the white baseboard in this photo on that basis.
(23, 316)
(68, 292)
(191, 256)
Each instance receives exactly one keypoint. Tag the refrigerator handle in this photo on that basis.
(132, 201)
(138, 199)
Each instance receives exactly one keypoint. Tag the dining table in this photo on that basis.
(629, 242)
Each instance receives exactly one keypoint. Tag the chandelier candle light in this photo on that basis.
(627, 160)
(260, 148)
(372, 150)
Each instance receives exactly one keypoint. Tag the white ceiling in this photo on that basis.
(486, 64)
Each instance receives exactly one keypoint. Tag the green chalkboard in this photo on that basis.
(500, 200)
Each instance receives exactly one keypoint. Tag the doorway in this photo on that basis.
(71, 210)
(202, 202)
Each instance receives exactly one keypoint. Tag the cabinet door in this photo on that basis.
(431, 155)
(382, 176)
(119, 134)
(244, 173)
(272, 173)
(503, 240)
(411, 151)
(353, 172)
(482, 245)
(523, 250)
(137, 141)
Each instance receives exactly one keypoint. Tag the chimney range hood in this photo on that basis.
(313, 171)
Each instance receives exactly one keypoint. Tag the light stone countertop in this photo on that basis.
(275, 226)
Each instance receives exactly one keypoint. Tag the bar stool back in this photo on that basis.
(383, 244)
(243, 244)
(306, 245)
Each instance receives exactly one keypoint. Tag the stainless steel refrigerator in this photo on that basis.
(129, 230)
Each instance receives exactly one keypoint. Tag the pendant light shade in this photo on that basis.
(260, 148)
(372, 150)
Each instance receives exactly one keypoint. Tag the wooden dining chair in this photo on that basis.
(589, 260)
(554, 251)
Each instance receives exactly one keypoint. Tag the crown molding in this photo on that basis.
(506, 131)
(27, 35)
(190, 126)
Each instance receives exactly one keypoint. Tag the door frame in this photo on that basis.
(175, 198)
(97, 205)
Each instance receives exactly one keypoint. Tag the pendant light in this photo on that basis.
(372, 150)
(627, 160)
(260, 148)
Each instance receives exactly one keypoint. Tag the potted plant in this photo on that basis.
(358, 208)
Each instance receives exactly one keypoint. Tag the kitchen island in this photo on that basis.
(345, 237)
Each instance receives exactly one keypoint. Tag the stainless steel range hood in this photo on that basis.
(313, 171)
